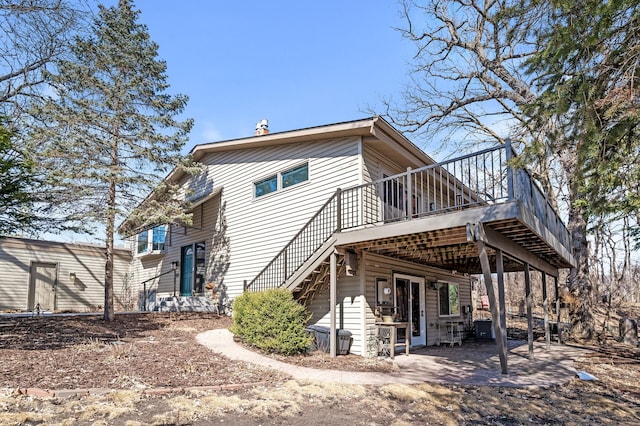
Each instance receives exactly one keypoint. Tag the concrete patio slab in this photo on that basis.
(473, 363)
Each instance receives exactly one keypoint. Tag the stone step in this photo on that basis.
(184, 304)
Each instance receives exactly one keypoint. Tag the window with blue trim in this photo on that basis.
(281, 180)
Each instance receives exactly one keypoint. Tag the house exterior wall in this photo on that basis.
(258, 228)
(355, 310)
(87, 262)
(376, 165)
(206, 227)
(249, 231)
(348, 310)
(384, 267)
(427, 186)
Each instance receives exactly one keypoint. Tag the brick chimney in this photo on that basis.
(262, 127)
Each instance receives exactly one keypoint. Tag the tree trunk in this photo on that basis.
(108, 268)
(629, 331)
(580, 287)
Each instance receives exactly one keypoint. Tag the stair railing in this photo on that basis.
(301, 247)
(145, 290)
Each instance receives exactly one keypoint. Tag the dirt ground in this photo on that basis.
(145, 351)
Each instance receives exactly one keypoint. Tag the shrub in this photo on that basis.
(272, 321)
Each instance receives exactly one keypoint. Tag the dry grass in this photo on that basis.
(156, 348)
(311, 402)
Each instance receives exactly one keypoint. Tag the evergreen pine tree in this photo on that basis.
(16, 176)
(110, 131)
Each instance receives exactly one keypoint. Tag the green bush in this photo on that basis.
(272, 321)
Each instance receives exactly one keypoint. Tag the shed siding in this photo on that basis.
(87, 262)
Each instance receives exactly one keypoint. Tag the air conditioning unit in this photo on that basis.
(484, 329)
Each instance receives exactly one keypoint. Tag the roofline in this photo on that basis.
(26, 242)
(372, 126)
(347, 128)
(375, 126)
(401, 139)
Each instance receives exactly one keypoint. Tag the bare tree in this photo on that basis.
(469, 83)
(32, 35)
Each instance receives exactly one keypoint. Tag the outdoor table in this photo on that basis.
(394, 326)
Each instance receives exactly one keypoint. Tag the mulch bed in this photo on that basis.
(135, 351)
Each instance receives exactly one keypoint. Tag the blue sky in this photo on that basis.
(296, 63)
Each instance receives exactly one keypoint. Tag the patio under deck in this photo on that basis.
(474, 364)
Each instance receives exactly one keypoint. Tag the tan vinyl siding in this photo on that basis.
(348, 310)
(258, 228)
(384, 267)
(247, 231)
(205, 227)
(429, 188)
(87, 262)
(376, 165)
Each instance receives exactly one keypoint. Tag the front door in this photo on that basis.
(42, 286)
(410, 304)
(186, 271)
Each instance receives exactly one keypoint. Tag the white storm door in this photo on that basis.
(418, 317)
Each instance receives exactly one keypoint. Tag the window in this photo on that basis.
(266, 186)
(282, 180)
(158, 238)
(448, 300)
(296, 175)
(154, 239)
(143, 241)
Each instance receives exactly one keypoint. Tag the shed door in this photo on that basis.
(42, 286)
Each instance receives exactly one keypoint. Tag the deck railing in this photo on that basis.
(481, 178)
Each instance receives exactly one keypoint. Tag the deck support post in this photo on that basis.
(545, 306)
(333, 298)
(502, 304)
(555, 283)
(493, 305)
(529, 298)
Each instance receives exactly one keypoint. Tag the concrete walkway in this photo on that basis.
(472, 364)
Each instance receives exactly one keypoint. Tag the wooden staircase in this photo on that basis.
(316, 281)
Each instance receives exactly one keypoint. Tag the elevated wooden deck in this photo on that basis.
(444, 241)
(434, 215)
